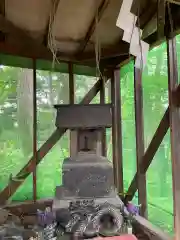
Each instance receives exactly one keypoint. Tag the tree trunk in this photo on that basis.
(25, 110)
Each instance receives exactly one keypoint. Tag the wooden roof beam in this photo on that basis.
(92, 27)
(32, 51)
(110, 57)
(121, 49)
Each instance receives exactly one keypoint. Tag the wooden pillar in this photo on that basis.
(103, 134)
(117, 131)
(34, 133)
(174, 117)
(73, 134)
(138, 104)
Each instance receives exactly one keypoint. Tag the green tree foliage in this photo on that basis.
(16, 114)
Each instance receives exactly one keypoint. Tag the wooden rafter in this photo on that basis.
(87, 59)
(13, 185)
(92, 26)
(121, 49)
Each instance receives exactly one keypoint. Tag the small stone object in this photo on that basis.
(3, 215)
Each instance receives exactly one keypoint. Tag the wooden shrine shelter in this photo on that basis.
(24, 42)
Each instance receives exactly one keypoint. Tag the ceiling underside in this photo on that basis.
(71, 21)
(76, 30)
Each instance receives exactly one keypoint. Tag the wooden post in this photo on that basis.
(174, 117)
(138, 104)
(34, 132)
(117, 131)
(103, 134)
(73, 134)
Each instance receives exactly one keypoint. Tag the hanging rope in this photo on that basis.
(51, 37)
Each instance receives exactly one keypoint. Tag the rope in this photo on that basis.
(51, 37)
(97, 46)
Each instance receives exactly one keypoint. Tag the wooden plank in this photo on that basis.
(8, 191)
(119, 50)
(117, 131)
(92, 27)
(34, 132)
(150, 231)
(174, 116)
(103, 132)
(28, 207)
(150, 153)
(141, 177)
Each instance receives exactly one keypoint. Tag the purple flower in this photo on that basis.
(133, 209)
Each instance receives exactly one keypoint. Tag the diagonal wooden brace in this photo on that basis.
(13, 185)
(149, 154)
(153, 146)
